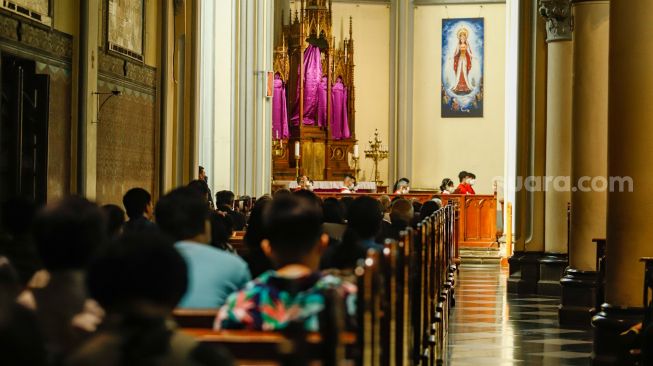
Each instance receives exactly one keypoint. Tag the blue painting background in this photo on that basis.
(471, 104)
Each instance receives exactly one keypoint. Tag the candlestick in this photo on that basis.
(376, 153)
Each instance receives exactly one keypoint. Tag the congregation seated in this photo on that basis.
(138, 299)
(67, 235)
(295, 291)
(256, 260)
(213, 273)
(16, 239)
(138, 205)
(401, 216)
(21, 341)
(429, 207)
(334, 218)
(386, 207)
(364, 219)
(221, 231)
(115, 218)
(224, 201)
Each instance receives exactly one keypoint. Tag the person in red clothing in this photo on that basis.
(467, 180)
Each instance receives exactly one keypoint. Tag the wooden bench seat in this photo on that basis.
(261, 345)
(195, 318)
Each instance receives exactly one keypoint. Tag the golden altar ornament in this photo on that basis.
(376, 153)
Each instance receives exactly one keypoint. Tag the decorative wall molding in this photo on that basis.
(557, 14)
(34, 42)
(116, 68)
(379, 2)
(458, 2)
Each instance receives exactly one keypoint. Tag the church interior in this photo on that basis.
(294, 182)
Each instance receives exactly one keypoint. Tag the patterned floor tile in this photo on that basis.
(490, 327)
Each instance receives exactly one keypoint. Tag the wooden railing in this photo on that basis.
(477, 215)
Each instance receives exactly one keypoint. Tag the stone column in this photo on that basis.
(252, 131)
(87, 101)
(589, 158)
(630, 152)
(557, 14)
(401, 90)
(529, 161)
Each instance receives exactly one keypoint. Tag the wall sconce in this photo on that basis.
(111, 94)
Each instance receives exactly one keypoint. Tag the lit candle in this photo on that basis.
(356, 150)
(296, 149)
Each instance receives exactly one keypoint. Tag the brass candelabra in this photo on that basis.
(277, 148)
(377, 153)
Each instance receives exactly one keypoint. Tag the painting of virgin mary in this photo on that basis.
(462, 67)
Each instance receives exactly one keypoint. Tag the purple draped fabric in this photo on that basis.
(322, 103)
(339, 119)
(279, 111)
(312, 77)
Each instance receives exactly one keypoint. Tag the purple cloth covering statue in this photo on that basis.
(279, 111)
(339, 119)
(312, 77)
(322, 103)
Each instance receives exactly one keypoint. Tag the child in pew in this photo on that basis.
(295, 290)
(139, 280)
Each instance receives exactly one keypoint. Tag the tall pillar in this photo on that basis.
(87, 101)
(557, 14)
(530, 151)
(401, 89)
(252, 129)
(630, 152)
(588, 159)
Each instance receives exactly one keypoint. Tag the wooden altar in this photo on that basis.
(321, 156)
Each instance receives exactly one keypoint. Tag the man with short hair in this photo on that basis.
(225, 203)
(213, 273)
(296, 290)
(138, 205)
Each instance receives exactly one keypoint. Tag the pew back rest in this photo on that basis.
(195, 318)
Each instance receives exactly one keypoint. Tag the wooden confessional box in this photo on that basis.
(322, 157)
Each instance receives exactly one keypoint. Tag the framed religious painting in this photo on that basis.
(125, 26)
(463, 47)
(37, 10)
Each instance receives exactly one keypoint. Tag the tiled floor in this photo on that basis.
(488, 326)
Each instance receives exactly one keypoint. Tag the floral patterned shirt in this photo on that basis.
(270, 302)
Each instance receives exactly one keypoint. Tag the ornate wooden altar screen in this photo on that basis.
(322, 156)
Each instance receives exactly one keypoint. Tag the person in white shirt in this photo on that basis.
(349, 184)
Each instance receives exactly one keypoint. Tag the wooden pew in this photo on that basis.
(238, 242)
(405, 294)
(269, 347)
(369, 301)
(195, 318)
